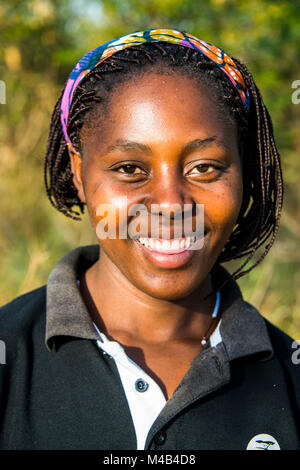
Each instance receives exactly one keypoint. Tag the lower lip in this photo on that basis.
(167, 260)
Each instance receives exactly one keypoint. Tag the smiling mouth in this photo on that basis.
(172, 246)
(175, 253)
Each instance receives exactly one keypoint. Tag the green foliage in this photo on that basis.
(42, 40)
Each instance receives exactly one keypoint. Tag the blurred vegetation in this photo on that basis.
(42, 40)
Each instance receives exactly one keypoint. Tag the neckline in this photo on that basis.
(100, 326)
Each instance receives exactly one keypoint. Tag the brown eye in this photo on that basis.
(206, 172)
(202, 168)
(130, 169)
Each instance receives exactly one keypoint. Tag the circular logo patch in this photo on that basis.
(263, 442)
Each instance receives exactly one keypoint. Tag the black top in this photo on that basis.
(58, 391)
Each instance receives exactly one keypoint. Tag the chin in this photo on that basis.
(177, 288)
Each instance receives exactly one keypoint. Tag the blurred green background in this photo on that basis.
(42, 40)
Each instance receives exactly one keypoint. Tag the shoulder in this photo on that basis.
(283, 344)
(22, 311)
(285, 349)
(287, 352)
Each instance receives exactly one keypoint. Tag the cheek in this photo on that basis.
(111, 204)
(223, 206)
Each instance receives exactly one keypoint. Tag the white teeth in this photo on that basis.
(167, 245)
(151, 243)
(175, 245)
(157, 245)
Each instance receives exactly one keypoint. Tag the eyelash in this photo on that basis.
(206, 165)
(127, 165)
(201, 165)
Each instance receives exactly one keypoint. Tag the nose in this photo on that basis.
(168, 194)
(170, 202)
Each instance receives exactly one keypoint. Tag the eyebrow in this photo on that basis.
(126, 145)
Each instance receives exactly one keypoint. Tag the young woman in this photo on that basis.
(144, 341)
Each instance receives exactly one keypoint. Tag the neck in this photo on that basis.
(124, 311)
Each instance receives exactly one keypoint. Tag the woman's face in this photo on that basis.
(163, 142)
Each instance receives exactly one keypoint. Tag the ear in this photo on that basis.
(76, 166)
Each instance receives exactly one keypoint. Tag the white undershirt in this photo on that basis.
(144, 406)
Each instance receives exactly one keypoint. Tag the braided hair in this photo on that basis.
(258, 221)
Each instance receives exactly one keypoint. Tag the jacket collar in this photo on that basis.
(66, 313)
(243, 329)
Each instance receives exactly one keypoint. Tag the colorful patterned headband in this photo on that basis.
(93, 58)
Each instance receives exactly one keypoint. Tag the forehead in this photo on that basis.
(160, 107)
